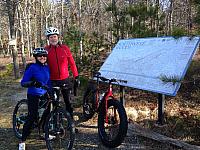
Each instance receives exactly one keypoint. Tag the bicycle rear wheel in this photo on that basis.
(20, 114)
(113, 130)
(89, 100)
(59, 130)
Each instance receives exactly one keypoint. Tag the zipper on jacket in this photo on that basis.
(57, 63)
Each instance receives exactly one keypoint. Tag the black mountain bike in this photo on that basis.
(112, 118)
(59, 127)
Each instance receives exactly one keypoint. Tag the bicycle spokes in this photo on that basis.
(19, 117)
(59, 131)
(89, 104)
(87, 109)
(112, 124)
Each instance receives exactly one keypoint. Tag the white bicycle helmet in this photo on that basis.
(51, 31)
(39, 51)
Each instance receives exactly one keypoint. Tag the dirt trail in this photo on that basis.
(87, 138)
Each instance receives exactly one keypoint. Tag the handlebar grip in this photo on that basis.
(96, 74)
(124, 81)
(103, 79)
(45, 87)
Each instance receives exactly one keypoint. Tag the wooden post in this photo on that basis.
(161, 103)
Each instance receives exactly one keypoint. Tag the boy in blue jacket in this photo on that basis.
(35, 76)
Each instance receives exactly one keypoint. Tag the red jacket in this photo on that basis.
(59, 57)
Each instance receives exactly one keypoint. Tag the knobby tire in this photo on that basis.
(64, 132)
(120, 132)
(19, 117)
(89, 100)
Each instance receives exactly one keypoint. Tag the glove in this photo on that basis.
(36, 84)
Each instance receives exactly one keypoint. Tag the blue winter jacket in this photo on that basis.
(37, 72)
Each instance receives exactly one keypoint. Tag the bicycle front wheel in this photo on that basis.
(59, 130)
(20, 114)
(113, 128)
(89, 100)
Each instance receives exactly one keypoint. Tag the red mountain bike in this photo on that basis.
(112, 118)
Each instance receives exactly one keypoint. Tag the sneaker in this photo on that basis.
(21, 146)
(51, 137)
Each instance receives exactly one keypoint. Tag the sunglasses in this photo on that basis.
(44, 55)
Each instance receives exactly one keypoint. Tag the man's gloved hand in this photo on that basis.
(36, 84)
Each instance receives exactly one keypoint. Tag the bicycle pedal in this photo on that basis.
(76, 130)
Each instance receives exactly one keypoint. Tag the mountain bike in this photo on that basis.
(112, 118)
(58, 126)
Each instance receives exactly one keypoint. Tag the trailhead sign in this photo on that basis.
(143, 61)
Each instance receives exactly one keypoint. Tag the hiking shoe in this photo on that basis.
(21, 146)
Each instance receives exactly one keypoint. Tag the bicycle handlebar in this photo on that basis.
(98, 75)
(45, 87)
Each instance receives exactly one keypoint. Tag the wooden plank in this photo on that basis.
(147, 133)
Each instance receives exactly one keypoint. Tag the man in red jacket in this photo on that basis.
(59, 58)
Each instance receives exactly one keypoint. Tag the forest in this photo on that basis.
(91, 28)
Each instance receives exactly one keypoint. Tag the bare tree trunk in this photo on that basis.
(189, 17)
(39, 24)
(29, 37)
(157, 17)
(22, 36)
(12, 5)
(15, 61)
(80, 31)
(61, 19)
(171, 24)
(35, 29)
(1, 43)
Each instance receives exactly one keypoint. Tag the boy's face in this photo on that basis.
(53, 39)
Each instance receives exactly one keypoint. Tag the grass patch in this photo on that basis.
(7, 72)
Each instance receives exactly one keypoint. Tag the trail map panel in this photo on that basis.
(144, 61)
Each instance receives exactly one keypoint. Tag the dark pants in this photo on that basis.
(65, 92)
(33, 101)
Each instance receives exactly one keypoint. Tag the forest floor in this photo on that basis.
(181, 123)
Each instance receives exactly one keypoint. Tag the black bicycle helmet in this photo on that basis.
(39, 51)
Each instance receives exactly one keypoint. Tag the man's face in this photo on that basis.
(53, 39)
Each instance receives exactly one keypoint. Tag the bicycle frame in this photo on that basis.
(112, 118)
(50, 105)
(105, 98)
